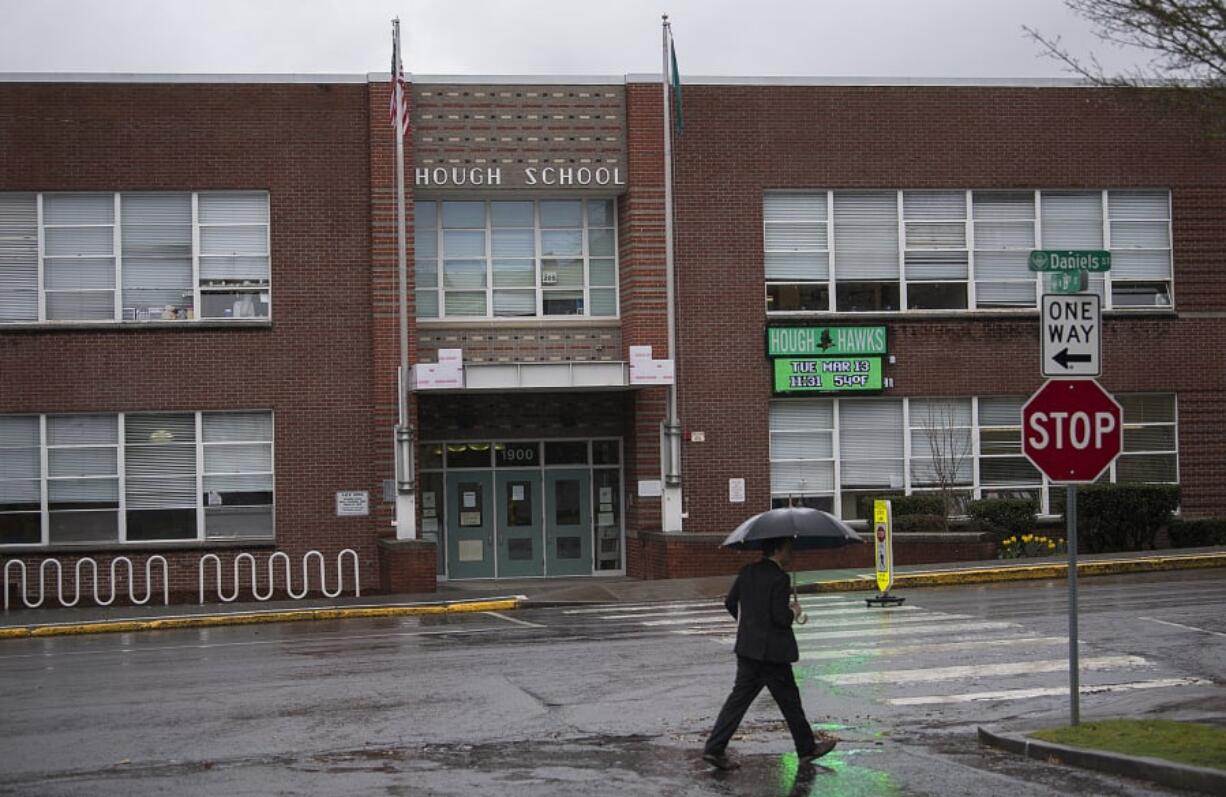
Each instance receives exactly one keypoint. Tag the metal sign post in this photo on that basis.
(1074, 663)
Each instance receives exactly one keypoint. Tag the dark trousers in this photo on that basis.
(751, 676)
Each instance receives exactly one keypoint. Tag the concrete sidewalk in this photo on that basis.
(468, 596)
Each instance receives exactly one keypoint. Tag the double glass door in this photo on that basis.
(519, 523)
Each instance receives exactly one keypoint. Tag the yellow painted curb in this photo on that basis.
(285, 616)
(1148, 564)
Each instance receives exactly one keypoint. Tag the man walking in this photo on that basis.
(765, 650)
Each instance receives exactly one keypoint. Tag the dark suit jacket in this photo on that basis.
(759, 599)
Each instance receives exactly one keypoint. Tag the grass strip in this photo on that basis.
(1182, 742)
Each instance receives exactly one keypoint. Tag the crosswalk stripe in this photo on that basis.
(919, 628)
(1024, 694)
(723, 616)
(806, 600)
(926, 623)
(884, 651)
(642, 607)
(849, 607)
(977, 670)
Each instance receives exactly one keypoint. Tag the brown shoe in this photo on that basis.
(720, 761)
(823, 747)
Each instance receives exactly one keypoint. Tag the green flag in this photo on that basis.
(678, 113)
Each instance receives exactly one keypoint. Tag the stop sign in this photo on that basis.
(1072, 430)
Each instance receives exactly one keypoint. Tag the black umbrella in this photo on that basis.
(810, 528)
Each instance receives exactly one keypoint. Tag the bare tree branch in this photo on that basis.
(1185, 38)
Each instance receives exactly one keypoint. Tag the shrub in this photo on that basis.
(1124, 517)
(905, 505)
(1197, 533)
(1004, 516)
(919, 523)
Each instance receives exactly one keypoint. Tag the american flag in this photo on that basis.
(399, 105)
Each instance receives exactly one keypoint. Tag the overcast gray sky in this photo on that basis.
(889, 38)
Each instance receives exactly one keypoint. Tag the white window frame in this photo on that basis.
(201, 538)
(539, 289)
(1043, 489)
(118, 255)
(829, 250)
(972, 299)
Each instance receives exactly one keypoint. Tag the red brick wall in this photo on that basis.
(643, 289)
(307, 146)
(740, 141)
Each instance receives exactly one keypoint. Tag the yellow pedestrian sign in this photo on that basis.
(883, 543)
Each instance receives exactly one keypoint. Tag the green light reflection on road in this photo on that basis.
(833, 776)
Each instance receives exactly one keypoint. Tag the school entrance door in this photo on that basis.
(522, 509)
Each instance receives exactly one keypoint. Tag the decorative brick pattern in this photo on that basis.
(518, 127)
(543, 343)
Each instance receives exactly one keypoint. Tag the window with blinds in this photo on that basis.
(1140, 230)
(18, 257)
(515, 259)
(1004, 234)
(139, 256)
(866, 262)
(861, 251)
(797, 251)
(870, 451)
(838, 454)
(942, 445)
(936, 262)
(135, 477)
(20, 480)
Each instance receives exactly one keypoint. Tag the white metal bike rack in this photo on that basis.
(17, 564)
(281, 556)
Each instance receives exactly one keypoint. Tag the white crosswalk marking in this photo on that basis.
(845, 645)
(887, 651)
(1023, 694)
(724, 617)
(977, 670)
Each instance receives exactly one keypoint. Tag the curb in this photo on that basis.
(1149, 564)
(258, 617)
(1157, 770)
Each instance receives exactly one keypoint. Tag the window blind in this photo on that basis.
(1140, 235)
(233, 236)
(802, 446)
(156, 234)
(18, 257)
(866, 236)
(1004, 230)
(796, 236)
(871, 443)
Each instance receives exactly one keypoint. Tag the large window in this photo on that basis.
(835, 453)
(516, 259)
(135, 477)
(874, 251)
(140, 256)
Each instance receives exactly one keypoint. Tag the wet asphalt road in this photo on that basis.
(612, 699)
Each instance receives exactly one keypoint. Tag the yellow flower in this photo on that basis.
(1051, 545)
(1027, 537)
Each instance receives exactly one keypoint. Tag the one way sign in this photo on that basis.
(1072, 334)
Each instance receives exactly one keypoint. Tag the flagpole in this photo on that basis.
(406, 500)
(672, 505)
